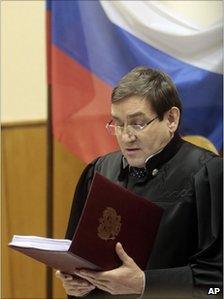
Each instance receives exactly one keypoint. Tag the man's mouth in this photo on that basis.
(132, 150)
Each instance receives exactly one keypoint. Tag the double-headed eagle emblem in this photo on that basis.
(110, 224)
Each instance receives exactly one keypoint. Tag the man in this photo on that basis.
(183, 179)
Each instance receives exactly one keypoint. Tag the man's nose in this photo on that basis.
(127, 136)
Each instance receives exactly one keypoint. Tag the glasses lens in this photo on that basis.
(111, 129)
(134, 128)
(118, 130)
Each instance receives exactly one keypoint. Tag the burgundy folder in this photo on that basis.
(111, 214)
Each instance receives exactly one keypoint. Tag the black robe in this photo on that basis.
(186, 260)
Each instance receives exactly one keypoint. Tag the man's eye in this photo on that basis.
(138, 123)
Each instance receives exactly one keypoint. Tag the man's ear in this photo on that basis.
(173, 118)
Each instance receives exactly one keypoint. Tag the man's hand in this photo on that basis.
(75, 286)
(127, 279)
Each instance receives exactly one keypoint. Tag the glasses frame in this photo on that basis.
(132, 130)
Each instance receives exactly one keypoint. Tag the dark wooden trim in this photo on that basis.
(22, 124)
(50, 161)
(50, 153)
(50, 181)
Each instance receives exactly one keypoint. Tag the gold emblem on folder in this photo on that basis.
(110, 224)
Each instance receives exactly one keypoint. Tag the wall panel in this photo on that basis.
(23, 206)
(24, 179)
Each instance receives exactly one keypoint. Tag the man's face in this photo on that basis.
(136, 148)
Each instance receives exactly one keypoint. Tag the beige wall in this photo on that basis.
(23, 91)
(23, 66)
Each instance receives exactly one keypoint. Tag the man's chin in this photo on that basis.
(136, 163)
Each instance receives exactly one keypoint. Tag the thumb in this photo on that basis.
(124, 257)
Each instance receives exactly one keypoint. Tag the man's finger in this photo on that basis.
(98, 283)
(63, 276)
(88, 278)
(103, 288)
(124, 257)
(100, 276)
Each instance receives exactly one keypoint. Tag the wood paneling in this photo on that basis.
(24, 169)
(23, 207)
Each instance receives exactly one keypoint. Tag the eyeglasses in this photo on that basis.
(131, 129)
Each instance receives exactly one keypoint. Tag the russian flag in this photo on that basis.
(93, 44)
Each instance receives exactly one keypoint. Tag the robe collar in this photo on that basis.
(156, 161)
